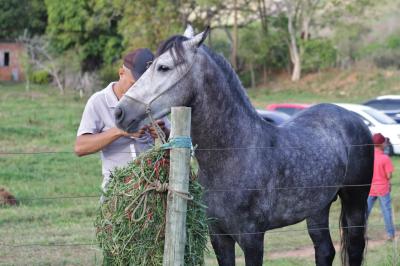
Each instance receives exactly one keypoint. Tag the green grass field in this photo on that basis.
(37, 133)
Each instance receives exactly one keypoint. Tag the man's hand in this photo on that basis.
(138, 134)
(153, 131)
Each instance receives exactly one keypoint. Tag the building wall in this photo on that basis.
(14, 71)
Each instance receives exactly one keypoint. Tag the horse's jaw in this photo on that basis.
(131, 116)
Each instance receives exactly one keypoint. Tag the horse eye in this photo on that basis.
(163, 68)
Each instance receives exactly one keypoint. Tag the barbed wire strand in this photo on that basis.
(197, 149)
(59, 197)
(224, 234)
(208, 190)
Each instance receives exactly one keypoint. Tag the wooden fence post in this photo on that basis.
(175, 228)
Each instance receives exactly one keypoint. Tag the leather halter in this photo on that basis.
(160, 133)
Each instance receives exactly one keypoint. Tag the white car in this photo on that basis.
(377, 122)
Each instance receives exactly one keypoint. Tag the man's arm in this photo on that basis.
(90, 143)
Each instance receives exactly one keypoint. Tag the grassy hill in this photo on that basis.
(59, 191)
(354, 86)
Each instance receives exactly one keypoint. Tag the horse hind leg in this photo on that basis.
(318, 229)
(353, 220)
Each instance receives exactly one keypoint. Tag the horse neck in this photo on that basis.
(222, 115)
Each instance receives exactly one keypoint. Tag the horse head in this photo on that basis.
(166, 83)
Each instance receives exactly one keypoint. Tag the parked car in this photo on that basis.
(288, 108)
(389, 104)
(378, 122)
(274, 117)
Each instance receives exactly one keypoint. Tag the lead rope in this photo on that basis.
(141, 200)
(160, 133)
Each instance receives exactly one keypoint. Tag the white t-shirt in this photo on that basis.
(98, 117)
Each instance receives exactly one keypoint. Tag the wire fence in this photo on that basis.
(275, 231)
(4, 152)
(67, 197)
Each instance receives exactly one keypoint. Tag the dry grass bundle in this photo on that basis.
(131, 222)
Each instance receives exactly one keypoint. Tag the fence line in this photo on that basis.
(197, 149)
(11, 153)
(305, 229)
(59, 197)
(205, 191)
(209, 190)
(225, 234)
(47, 245)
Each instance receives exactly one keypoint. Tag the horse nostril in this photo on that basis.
(119, 114)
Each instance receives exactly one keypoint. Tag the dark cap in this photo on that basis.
(378, 139)
(138, 61)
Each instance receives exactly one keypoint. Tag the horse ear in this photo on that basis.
(198, 40)
(189, 32)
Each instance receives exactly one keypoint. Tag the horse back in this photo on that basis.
(320, 150)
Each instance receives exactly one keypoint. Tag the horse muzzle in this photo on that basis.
(130, 115)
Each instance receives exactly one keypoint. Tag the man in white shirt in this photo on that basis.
(97, 130)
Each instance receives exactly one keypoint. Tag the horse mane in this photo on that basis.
(173, 43)
(175, 46)
(232, 78)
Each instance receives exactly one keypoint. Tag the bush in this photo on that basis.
(384, 54)
(262, 51)
(318, 54)
(108, 73)
(393, 42)
(41, 77)
(221, 46)
(390, 55)
(387, 59)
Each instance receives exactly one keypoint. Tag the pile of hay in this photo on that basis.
(130, 226)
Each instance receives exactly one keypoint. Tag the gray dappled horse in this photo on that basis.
(258, 176)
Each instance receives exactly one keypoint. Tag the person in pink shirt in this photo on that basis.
(380, 186)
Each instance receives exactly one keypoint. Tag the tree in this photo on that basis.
(16, 16)
(263, 52)
(87, 26)
(231, 15)
(349, 19)
(299, 14)
(40, 56)
(147, 23)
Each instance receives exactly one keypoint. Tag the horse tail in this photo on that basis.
(344, 236)
(349, 231)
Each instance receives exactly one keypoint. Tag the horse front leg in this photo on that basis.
(318, 229)
(253, 248)
(224, 248)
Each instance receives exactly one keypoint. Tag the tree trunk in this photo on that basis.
(296, 74)
(262, 13)
(209, 18)
(235, 37)
(59, 85)
(27, 83)
(252, 76)
(265, 74)
(294, 51)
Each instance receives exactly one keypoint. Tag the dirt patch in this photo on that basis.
(308, 251)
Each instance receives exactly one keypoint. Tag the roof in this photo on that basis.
(273, 113)
(287, 105)
(352, 106)
(396, 97)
